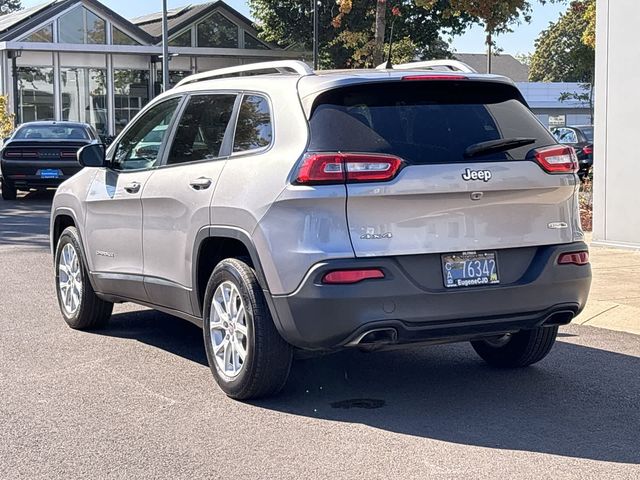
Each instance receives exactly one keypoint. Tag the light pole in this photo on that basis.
(315, 34)
(165, 48)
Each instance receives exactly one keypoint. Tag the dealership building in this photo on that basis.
(78, 60)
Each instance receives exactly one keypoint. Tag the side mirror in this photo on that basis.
(92, 155)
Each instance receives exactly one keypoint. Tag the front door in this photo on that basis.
(114, 206)
(176, 199)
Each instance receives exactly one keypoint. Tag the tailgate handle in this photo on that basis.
(201, 183)
(133, 187)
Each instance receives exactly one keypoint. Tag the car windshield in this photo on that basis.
(426, 122)
(588, 133)
(51, 132)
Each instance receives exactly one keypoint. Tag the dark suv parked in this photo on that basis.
(581, 139)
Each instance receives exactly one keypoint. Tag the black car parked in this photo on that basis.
(42, 155)
(581, 139)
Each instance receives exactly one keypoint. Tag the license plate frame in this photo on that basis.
(49, 173)
(458, 273)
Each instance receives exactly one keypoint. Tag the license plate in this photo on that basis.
(470, 269)
(50, 173)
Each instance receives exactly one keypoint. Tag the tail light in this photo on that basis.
(557, 159)
(335, 168)
(68, 154)
(574, 258)
(342, 277)
(12, 154)
(588, 150)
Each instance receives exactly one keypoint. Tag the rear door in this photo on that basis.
(177, 197)
(457, 189)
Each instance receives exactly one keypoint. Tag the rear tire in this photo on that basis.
(9, 192)
(523, 348)
(79, 304)
(246, 354)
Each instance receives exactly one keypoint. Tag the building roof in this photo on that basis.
(502, 64)
(14, 25)
(548, 94)
(181, 17)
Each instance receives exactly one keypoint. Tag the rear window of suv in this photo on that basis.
(424, 122)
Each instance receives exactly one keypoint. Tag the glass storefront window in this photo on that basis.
(121, 38)
(96, 28)
(252, 42)
(218, 31)
(174, 77)
(182, 40)
(35, 94)
(84, 96)
(44, 35)
(81, 26)
(131, 88)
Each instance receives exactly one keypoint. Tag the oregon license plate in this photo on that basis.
(49, 173)
(470, 269)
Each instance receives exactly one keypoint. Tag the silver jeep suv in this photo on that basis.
(283, 209)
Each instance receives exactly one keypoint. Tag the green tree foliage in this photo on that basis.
(347, 29)
(589, 34)
(561, 55)
(8, 6)
(6, 118)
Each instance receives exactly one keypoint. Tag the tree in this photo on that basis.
(6, 118)
(496, 16)
(561, 55)
(8, 6)
(347, 29)
(589, 34)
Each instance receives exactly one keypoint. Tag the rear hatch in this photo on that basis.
(436, 164)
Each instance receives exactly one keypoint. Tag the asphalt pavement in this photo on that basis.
(137, 400)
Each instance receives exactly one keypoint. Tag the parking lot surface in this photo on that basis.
(137, 400)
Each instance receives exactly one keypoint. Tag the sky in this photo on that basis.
(520, 41)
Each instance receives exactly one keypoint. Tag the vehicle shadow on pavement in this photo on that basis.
(578, 402)
(25, 222)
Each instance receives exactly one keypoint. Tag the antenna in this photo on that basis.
(389, 65)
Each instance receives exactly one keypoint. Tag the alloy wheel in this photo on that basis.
(70, 279)
(228, 327)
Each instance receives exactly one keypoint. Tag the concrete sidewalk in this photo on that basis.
(614, 302)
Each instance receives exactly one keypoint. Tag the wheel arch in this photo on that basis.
(214, 244)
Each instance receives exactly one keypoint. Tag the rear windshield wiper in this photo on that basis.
(493, 146)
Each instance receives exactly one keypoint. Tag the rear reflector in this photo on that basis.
(434, 77)
(588, 150)
(574, 258)
(352, 276)
(557, 159)
(335, 168)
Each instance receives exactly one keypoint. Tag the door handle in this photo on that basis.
(133, 187)
(201, 183)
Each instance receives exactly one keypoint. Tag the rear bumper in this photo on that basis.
(24, 174)
(327, 317)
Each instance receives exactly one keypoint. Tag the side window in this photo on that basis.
(201, 129)
(253, 129)
(140, 145)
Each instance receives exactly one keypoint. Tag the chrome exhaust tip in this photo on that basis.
(375, 337)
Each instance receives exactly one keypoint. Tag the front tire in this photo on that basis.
(79, 304)
(9, 192)
(520, 349)
(246, 354)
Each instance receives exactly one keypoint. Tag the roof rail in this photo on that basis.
(446, 65)
(281, 66)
